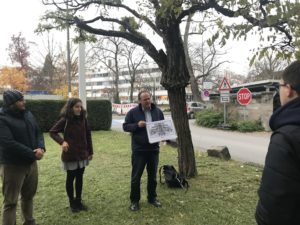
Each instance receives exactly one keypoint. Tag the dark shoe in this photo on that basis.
(134, 206)
(155, 203)
(73, 206)
(80, 205)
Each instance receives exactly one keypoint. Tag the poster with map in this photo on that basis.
(161, 130)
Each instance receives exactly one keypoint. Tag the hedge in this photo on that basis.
(47, 113)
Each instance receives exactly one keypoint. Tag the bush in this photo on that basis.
(209, 118)
(47, 113)
(250, 126)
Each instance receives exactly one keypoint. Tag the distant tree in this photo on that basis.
(63, 91)
(12, 77)
(18, 51)
(134, 59)
(108, 51)
(268, 67)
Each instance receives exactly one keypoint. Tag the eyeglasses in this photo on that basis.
(282, 85)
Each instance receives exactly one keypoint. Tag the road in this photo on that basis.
(245, 147)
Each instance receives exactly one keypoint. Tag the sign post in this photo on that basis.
(244, 97)
(224, 90)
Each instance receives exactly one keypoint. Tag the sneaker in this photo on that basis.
(134, 206)
(155, 203)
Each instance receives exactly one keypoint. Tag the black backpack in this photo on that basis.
(172, 177)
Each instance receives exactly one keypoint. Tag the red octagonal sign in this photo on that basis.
(244, 96)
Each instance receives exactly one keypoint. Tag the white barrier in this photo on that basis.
(122, 109)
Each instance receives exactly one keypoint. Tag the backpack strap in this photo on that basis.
(160, 175)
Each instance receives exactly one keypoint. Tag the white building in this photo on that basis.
(99, 84)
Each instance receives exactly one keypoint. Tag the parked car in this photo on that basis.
(193, 107)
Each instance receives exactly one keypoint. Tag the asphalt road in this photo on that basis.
(245, 147)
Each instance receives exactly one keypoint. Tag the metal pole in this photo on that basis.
(68, 59)
(224, 113)
(81, 68)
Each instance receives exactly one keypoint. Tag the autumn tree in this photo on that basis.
(164, 18)
(12, 77)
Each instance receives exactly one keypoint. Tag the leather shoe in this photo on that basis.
(134, 206)
(155, 203)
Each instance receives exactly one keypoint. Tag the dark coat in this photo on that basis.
(139, 137)
(19, 136)
(77, 134)
(279, 192)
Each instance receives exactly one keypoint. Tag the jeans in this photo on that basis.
(18, 179)
(139, 160)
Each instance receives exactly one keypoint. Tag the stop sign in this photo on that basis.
(244, 96)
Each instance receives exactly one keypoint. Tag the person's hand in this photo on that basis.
(142, 123)
(39, 153)
(90, 157)
(65, 146)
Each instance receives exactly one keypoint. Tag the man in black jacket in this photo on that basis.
(279, 192)
(143, 153)
(21, 144)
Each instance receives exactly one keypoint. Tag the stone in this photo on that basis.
(219, 152)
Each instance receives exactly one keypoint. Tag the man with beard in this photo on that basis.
(21, 144)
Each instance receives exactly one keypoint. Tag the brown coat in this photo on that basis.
(77, 134)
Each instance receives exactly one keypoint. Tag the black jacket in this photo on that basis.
(279, 192)
(139, 137)
(19, 136)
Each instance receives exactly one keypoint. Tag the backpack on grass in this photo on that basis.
(172, 177)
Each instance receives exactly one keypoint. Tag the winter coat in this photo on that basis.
(139, 137)
(279, 192)
(77, 133)
(19, 136)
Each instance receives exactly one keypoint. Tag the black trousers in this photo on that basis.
(77, 176)
(139, 160)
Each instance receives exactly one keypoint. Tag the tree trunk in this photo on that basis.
(131, 92)
(175, 78)
(186, 155)
(193, 82)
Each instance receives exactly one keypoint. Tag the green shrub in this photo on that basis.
(47, 113)
(250, 126)
(209, 118)
(99, 114)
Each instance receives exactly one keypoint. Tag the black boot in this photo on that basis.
(80, 205)
(73, 206)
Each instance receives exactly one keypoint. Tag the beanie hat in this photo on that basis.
(11, 96)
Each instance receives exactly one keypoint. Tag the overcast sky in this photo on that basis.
(23, 16)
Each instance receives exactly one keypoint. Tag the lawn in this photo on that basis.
(224, 193)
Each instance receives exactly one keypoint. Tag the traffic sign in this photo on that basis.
(206, 93)
(224, 86)
(224, 99)
(244, 96)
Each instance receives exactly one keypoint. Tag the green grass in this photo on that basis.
(224, 193)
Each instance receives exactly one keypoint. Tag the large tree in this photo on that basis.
(164, 18)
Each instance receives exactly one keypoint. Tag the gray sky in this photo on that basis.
(23, 16)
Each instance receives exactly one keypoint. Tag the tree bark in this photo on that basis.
(186, 155)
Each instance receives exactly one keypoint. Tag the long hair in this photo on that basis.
(67, 110)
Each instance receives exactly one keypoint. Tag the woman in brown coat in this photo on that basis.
(77, 149)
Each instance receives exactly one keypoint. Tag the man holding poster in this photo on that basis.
(143, 152)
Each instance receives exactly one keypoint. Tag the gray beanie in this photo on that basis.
(11, 96)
